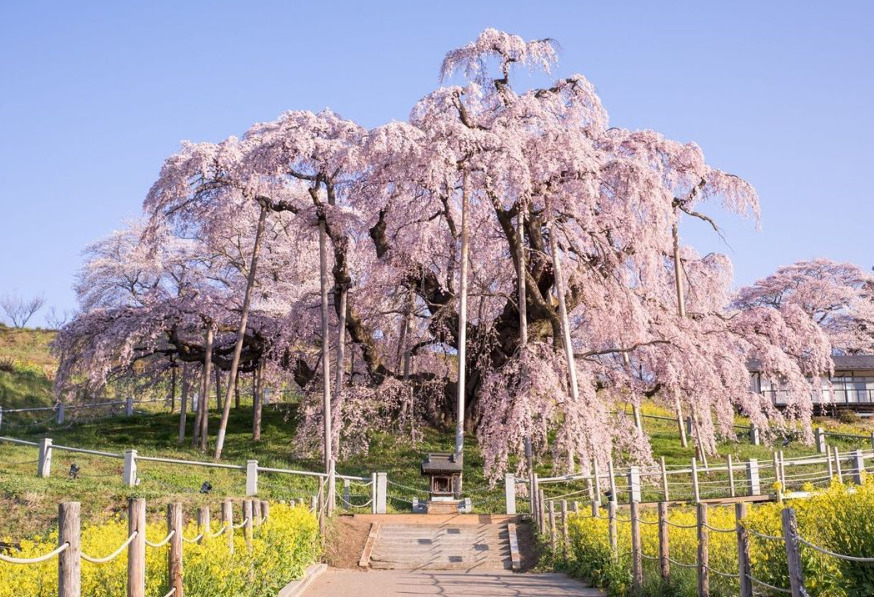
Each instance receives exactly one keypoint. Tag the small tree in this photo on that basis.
(18, 310)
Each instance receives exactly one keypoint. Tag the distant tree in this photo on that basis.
(19, 310)
(55, 319)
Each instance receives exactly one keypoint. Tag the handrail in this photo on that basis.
(84, 451)
(194, 462)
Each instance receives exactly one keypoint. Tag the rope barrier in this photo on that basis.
(680, 526)
(171, 593)
(163, 542)
(833, 554)
(724, 574)
(195, 540)
(648, 557)
(764, 536)
(113, 555)
(219, 532)
(242, 524)
(9, 560)
(767, 586)
(716, 530)
(681, 564)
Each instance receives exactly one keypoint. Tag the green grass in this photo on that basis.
(26, 367)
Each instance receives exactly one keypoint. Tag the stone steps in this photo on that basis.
(442, 547)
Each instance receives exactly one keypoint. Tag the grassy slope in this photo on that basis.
(26, 367)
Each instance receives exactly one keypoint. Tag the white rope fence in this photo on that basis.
(10, 560)
(114, 554)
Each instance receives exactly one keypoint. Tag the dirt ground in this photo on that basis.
(344, 541)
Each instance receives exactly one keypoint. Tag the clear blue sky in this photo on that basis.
(94, 95)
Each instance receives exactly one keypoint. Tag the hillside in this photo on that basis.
(26, 367)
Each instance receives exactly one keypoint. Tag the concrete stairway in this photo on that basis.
(444, 546)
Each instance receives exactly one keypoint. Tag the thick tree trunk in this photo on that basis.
(183, 404)
(326, 364)
(241, 331)
(337, 409)
(462, 321)
(565, 323)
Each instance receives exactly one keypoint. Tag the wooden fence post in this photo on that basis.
(695, 491)
(665, 481)
(664, 546)
(59, 414)
(347, 495)
(136, 551)
(703, 552)
(564, 529)
(743, 551)
(636, 552)
(247, 523)
(228, 522)
(44, 468)
(174, 557)
(838, 465)
(510, 492)
(753, 477)
(793, 554)
(541, 505)
(70, 560)
(129, 406)
(730, 468)
(552, 524)
(611, 528)
(755, 436)
(831, 470)
(256, 513)
(373, 499)
(203, 522)
(782, 471)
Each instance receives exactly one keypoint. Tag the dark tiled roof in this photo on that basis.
(442, 462)
(855, 362)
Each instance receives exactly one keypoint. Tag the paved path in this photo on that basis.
(446, 583)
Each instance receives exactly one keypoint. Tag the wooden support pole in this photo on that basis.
(782, 471)
(858, 467)
(820, 441)
(634, 494)
(541, 508)
(838, 464)
(228, 522)
(174, 557)
(664, 546)
(695, 491)
(730, 468)
(775, 462)
(564, 529)
(597, 475)
(70, 560)
(44, 467)
(552, 540)
(636, 550)
(373, 489)
(247, 525)
(753, 482)
(831, 470)
(743, 551)
(136, 551)
(613, 496)
(793, 554)
(611, 528)
(203, 522)
(664, 480)
(703, 552)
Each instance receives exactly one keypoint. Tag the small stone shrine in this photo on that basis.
(444, 471)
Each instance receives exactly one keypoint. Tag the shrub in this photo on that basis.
(838, 519)
(282, 548)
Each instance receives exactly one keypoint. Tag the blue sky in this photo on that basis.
(93, 97)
